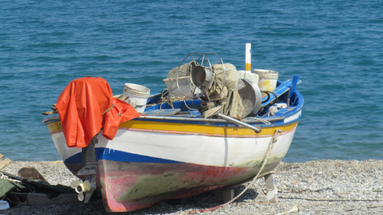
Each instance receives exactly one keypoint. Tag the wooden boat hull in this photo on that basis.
(152, 159)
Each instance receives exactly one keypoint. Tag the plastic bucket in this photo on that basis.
(4, 205)
(249, 76)
(267, 79)
(138, 96)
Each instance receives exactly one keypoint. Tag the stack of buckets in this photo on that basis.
(138, 96)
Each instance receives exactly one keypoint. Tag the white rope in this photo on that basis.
(170, 99)
(107, 110)
(14, 181)
(266, 158)
(188, 106)
(260, 120)
(2, 176)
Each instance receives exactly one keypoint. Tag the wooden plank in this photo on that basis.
(188, 114)
(271, 187)
(152, 112)
(162, 112)
(293, 85)
(227, 194)
(121, 97)
(168, 112)
(38, 199)
(49, 112)
(30, 173)
(5, 162)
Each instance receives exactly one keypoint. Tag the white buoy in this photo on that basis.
(248, 57)
(247, 74)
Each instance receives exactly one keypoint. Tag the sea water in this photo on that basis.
(336, 48)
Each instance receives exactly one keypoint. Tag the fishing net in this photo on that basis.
(184, 70)
(224, 90)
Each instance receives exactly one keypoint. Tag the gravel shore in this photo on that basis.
(314, 187)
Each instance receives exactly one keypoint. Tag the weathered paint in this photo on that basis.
(152, 159)
(148, 162)
(127, 186)
(131, 186)
(155, 147)
(55, 127)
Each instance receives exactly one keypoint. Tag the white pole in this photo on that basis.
(248, 57)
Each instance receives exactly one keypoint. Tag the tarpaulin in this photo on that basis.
(7, 186)
(85, 106)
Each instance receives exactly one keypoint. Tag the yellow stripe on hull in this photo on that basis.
(201, 129)
(197, 129)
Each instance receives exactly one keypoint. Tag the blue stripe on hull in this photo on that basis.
(115, 155)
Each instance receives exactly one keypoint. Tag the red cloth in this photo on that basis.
(85, 106)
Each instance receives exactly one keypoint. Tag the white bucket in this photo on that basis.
(267, 79)
(138, 96)
(4, 205)
(249, 76)
(186, 88)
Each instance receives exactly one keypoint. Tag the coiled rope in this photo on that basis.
(170, 98)
(2, 176)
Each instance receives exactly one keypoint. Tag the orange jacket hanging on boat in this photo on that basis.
(85, 106)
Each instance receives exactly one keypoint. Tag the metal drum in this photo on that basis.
(251, 98)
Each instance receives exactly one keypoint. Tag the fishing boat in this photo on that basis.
(181, 147)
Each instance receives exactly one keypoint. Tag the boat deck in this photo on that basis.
(187, 110)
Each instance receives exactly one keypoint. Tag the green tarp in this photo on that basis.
(7, 186)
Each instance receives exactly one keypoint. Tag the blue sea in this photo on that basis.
(336, 48)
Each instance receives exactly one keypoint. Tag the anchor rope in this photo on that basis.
(2, 176)
(14, 181)
(266, 158)
(169, 99)
(172, 98)
(260, 120)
